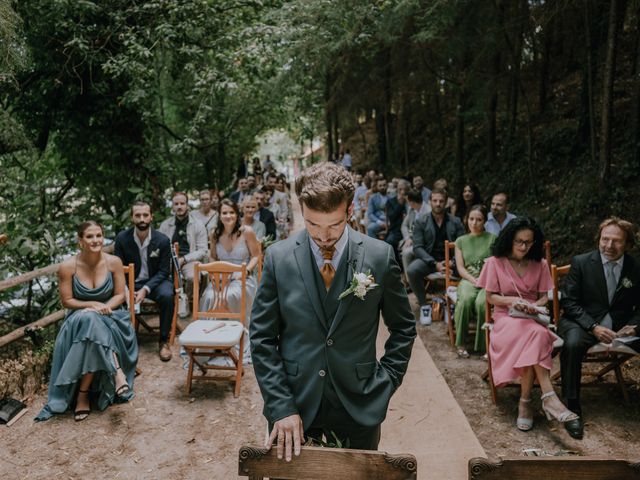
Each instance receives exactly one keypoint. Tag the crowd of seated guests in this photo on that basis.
(96, 350)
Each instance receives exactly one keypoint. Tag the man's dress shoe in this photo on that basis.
(575, 428)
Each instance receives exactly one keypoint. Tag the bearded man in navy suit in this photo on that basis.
(150, 252)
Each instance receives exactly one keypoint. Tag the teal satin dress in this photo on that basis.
(85, 344)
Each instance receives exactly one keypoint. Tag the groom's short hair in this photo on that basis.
(324, 187)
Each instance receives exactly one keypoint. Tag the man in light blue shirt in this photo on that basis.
(499, 217)
(376, 209)
(418, 184)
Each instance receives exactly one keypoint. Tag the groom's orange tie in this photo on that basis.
(327, 271)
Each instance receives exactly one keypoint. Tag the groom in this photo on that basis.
(315, 355)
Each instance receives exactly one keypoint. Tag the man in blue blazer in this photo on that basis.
(315, 321)
(150, 252)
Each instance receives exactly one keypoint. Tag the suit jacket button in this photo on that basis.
(322, 373)
(329, 342)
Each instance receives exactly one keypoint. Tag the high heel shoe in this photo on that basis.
(563, 417)
(80, 415)
(123, 389)
(525, 424)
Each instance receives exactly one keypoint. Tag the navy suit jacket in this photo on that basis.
(266, 217)
(158, 255)
(584, 297)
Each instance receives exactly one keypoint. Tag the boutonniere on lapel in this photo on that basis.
(154, 253)
(360, 284)
(626, 283)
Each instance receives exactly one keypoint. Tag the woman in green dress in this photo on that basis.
(471, 252)
(96, 350)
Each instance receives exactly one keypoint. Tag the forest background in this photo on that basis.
(105, 102)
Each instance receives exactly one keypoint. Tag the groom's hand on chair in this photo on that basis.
(289, 434)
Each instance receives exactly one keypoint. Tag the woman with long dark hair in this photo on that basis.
(96, 350)
(234, 243)
(469, 196)
(517, 281)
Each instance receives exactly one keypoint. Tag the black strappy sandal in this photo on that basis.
(122, 390)
(80, 415)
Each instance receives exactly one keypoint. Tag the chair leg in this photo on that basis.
(174, 321)
(190, 371)
(239, 367)
(623, 387)
(450, 326)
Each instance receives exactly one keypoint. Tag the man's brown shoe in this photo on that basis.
(165, 352)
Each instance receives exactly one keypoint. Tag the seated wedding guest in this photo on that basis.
(418, 184)
(517, 280)
(207, 215)
(360, 200)
(251, 183)
(377, 219)
(235, 243)
(499, 217)
(264, 214)
(429, 234)
(469, 197)
(150, 253)
(442, 184)
(190, 234)
(600, 301)
(281, 208)
(95, 353)
(256, 169)
(472, 250)
(416, 207)
(396, 209)
(249, 209)
(241, 192)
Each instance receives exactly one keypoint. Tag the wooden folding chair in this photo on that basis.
(206, 339)
(317, 462)
(612, 360)
(130, 291)
(149, 308)
(450, 288)
(260, 262)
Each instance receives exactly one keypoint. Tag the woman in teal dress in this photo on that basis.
(95, 354)
(471, 252)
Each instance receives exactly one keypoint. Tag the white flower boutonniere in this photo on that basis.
(626, 283)
(154, 253)
(361, 283)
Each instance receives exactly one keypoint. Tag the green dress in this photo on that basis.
(471, 300)
(86, 343)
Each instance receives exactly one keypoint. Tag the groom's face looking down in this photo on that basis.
(326, 228)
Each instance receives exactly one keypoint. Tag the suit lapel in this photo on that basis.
(356, 254)
(597, 270)
(302, 253)
(627, 268)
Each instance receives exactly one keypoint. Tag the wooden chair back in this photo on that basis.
(556, 468)
(130, 291)
(335, 463)
(220, 275)
(260, 263)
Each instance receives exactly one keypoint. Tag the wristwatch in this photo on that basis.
(592, 326)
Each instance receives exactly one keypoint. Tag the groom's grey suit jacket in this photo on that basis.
(296, 347)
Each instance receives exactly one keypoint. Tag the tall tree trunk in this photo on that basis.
(336, 132)
(381, 135)
(492, 107)
(607, 93)
(328, 117)
(543, 84)
(635, 104)
(514, 80)
(589, 77)
(460, 111)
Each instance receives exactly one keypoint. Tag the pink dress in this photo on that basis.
(516, 342)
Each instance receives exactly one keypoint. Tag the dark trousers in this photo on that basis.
(393, 238)
(163, 295)
(576, 343)
(332, 420)
(418, 269)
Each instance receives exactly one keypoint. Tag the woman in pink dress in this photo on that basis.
(517, 277)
